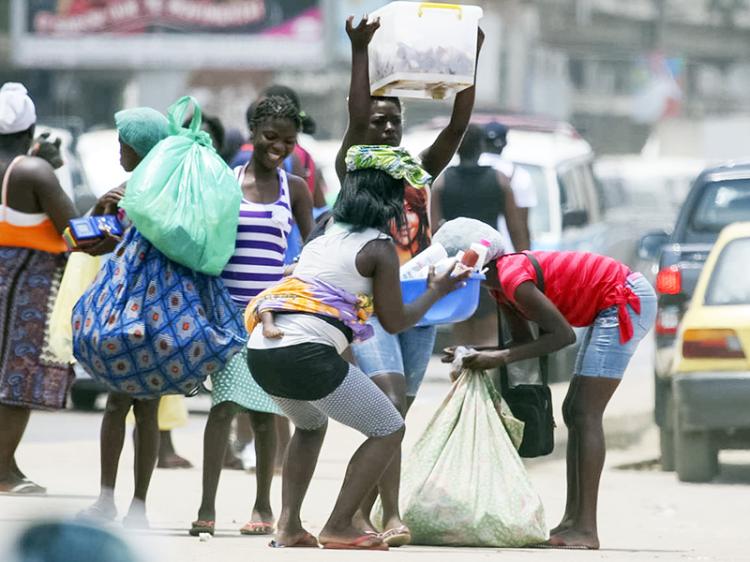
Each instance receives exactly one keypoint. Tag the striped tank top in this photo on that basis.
(262, 232)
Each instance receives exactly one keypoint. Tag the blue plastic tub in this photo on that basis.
(453, 307)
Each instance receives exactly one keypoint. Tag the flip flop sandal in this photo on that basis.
(26, 488)
(362, 543)
(396, 537)
(257, 528)
(202, 526)
(306, 541)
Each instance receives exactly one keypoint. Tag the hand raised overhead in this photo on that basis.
(361, 35)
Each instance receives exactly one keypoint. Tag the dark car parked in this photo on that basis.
(719, 196)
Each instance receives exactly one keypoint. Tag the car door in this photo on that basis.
(582, 228)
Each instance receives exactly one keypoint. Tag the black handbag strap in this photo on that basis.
(544, 359)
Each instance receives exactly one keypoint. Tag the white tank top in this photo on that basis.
(332, 258)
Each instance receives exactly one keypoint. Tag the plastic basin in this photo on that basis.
(454, 307)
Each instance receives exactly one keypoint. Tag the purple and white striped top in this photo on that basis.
(258, 260)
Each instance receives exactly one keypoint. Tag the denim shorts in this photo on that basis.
(407, 354)
(601, 353)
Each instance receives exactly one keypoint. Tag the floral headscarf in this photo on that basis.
(394, 161)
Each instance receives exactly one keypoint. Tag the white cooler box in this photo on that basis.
(423, 50)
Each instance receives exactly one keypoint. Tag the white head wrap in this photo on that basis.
(17, 111)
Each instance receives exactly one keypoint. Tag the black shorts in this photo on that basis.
(307, 371)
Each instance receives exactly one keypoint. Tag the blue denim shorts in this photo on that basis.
(601, 353)
(407, 353)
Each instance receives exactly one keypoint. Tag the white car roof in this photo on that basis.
(545, 149)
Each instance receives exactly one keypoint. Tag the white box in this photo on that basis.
(424, 50)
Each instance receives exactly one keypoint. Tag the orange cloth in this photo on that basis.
(42, 236)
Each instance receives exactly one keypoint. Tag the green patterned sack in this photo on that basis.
(464, 483)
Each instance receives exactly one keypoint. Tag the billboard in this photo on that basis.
(239, 34)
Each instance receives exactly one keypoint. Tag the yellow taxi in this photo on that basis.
(711, 373)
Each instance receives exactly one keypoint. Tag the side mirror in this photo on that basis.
(577, 217)
(650, 245)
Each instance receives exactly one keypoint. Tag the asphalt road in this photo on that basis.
(645, 514)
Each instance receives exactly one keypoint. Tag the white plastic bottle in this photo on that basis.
(481, 248)
(440, 267)
(429, 257)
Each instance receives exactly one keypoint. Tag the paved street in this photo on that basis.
(645, 514)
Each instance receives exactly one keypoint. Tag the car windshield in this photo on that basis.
(539, 215)
(722, 203)
(730, 283)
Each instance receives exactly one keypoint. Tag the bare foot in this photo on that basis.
(206, 514)
(173, 461)
(17, 472)
(136, 517)
(572, 538)
(393, 523)
(103, 509)
(272, 333)
(565, 524)
(359, 521)
(294, 538)
(262, 515)
(261, 522)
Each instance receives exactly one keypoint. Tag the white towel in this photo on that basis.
(17, 111)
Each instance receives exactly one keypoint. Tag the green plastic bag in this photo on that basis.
(183, 198)
(464, 483)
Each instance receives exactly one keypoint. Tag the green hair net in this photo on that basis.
(141, 128)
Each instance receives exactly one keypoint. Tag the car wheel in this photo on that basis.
(666, 447)
(696, 459)
(83, 398)
(666, 428)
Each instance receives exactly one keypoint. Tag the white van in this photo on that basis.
(570, 211)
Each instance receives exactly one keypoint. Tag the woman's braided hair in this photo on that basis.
(275, 107)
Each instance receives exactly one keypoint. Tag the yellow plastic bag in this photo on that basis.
(79, 274)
